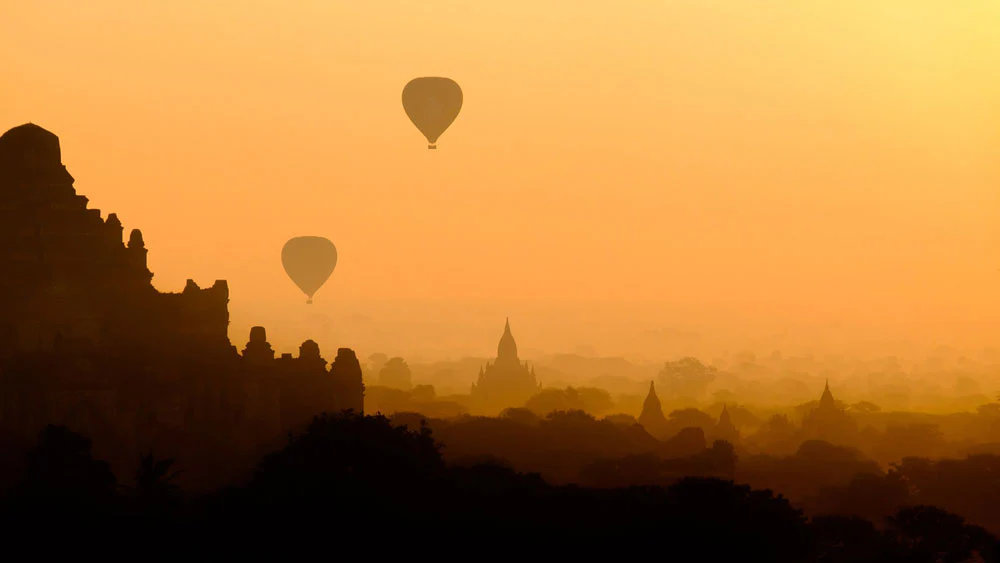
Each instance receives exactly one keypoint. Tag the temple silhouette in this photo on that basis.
(651, 417)
(87, 341)
(725, 429)
(506, 382)
(67, 277)
(829, 422)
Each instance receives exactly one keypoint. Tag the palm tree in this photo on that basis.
(153, 481)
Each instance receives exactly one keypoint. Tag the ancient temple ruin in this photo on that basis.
(86, 340)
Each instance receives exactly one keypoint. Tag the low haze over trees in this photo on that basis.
(349, 473)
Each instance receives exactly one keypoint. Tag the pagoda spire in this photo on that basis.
(507, 348)
(651, 407)
(827, 401)
(652, 418)
(725, 429)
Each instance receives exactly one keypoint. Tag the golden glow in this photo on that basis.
(779, 162)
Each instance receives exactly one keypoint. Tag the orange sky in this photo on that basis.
(740, 170)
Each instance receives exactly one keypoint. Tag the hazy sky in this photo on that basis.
(737, 169)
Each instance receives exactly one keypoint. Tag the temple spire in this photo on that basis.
(507, 348)
(651, 406)
(827, 399)
(725, 429)
(652, 418)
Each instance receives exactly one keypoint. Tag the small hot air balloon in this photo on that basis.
(309, 261)
(432, 103)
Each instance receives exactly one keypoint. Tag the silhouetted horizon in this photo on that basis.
(702, 282)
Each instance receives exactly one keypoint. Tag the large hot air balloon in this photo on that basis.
(432, 103)
(309, 261)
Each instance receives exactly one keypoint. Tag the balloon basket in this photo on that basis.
(431, 147)
(309, 301)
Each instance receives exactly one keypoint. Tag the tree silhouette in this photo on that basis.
(153, 484)
(686, 379)
(865, 407)
(348, 455)
(588, 399)
(61, 467)
(396, 374)
(851, 539)
(64, 493)
(931, 534)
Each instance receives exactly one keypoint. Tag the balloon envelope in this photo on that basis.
(309, 261)
(432, 103)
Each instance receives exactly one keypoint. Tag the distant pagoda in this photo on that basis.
(652, 418)
(829, 421)
(725, 429)
(506, 382)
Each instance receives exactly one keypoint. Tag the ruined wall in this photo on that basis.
(66, 273)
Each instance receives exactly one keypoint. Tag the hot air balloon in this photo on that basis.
(432, 103)
(309, 261)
